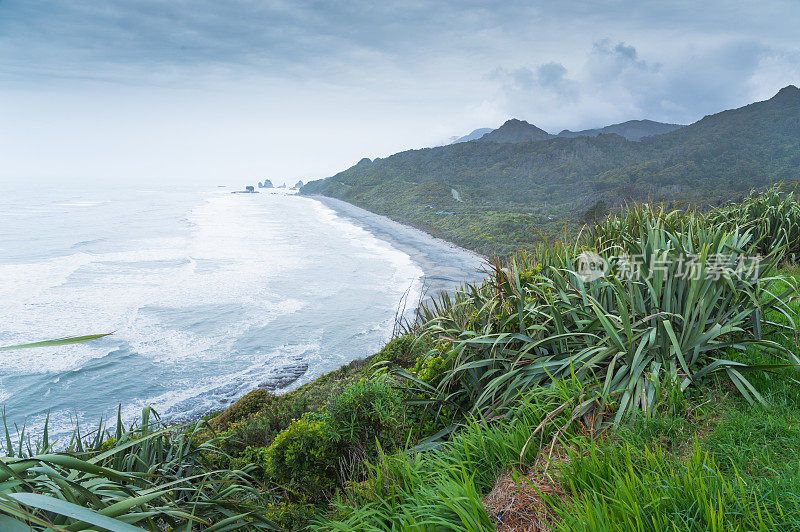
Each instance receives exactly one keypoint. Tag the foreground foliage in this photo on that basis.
(149, 476)
(633, 339)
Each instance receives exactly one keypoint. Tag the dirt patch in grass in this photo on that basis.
(518, 503)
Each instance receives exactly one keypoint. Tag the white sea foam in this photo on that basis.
(80, 204)
(407, 273)
(188, 300)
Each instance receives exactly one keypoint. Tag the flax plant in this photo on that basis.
(634, 341)
(150, 476)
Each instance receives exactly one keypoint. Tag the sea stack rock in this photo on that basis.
(298, 185)
(266, 184)
(249, 189)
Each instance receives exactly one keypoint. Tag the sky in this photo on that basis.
(213, 92)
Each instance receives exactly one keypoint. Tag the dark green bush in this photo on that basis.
(260, 429)
(252, 459)
(304, 457)
(292, 515)
(366, 411)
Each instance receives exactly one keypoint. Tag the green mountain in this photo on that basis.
(520, 131)
(515, 131)
(631, 130)
(511, 191)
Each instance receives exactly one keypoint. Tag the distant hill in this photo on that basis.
(521, 131)
(510, 190)
(475, 135)
(515, 131)
(631, 130)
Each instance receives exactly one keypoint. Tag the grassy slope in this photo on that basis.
(716, 463)
(706, 461)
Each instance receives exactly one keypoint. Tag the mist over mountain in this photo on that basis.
(474, 135)
(520, 177)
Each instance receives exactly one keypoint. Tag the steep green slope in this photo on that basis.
(507, 192)
(732, 150)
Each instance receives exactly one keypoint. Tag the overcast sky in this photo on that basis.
(234, 91)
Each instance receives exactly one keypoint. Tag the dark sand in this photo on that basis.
(445, 265)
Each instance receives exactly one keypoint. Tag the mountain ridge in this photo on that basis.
(512, 188)
(631, 129)
(515, 130)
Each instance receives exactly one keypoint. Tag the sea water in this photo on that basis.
(208, 295)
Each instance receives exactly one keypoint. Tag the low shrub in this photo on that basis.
(400, 351)
(252, 459)
(260, 429)
(367, 411)
(291, 515)
(241, 409)
(442, 488)
(304, 457)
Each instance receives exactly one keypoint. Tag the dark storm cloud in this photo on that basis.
(614, 82)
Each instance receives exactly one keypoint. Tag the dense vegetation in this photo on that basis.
(506, 189)
(648, 400)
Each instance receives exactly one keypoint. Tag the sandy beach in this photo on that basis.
(446, 265)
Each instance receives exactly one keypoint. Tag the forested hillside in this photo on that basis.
(508, 192)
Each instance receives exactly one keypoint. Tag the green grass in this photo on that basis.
(617, 487)
(442, 488)
(723, 464)
(735, 467)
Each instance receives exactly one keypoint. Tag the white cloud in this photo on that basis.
(156, 90)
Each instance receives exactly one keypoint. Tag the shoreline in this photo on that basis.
(445, 265)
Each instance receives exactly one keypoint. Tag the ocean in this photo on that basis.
(208, 295)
